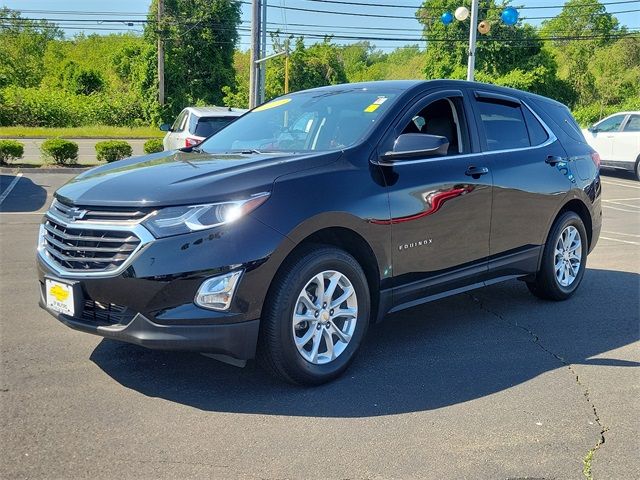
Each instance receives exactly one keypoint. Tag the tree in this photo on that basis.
(580, 18)
(502, 50)
(23, 43)
(616, 72)
(309, 67)
(199, 38)
(238, 97)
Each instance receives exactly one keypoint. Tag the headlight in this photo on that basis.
(177, 220)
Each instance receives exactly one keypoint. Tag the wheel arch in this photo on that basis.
(351, 242)
(579, 208)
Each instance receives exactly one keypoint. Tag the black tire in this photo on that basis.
(277, 352)
(637, 170)
(546, 285)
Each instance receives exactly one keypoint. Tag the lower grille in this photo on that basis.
(85, 250)
(106, 313)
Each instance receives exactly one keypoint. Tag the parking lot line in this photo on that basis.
(628, 185)
(619, 209)
(618, 240)
(623, 234)
(6, 193)
(621, 203)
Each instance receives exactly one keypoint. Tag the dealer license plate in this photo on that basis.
(60, 297)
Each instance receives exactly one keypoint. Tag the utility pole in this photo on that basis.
(254, 73)
(263, 52)
(471, 63)
(160, 53)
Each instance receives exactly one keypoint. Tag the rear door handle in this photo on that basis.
(476, 172)
(553, 160)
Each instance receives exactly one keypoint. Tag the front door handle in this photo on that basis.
(476, 172)
(553, 160)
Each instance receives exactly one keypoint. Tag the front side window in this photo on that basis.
(306, 121)
(611, 124)
(443, 118)
(504, 125)
(633, 125)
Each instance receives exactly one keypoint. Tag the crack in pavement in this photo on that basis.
(588, 458)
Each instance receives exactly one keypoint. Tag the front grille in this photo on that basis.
(106, 313)
(97, 214)
(87, 250)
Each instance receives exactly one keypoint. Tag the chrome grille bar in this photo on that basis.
(80, 247)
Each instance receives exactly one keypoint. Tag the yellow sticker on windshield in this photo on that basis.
(375, 105)
(274, 104)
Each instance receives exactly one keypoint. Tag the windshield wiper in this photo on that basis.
(247, 151)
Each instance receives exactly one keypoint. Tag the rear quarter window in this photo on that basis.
(562, 117)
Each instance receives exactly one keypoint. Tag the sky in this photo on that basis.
(353, 22)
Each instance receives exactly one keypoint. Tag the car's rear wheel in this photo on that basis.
(563, 261)
(315, 317)
(637, 171)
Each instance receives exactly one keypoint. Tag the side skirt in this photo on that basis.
(513, 265)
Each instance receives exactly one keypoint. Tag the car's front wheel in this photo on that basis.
(315, 317)
(563, 261)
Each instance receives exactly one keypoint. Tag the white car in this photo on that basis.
(194, 124)
(617, 140)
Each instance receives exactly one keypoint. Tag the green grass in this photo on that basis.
(95, 131)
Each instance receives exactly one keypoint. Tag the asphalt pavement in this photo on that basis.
(492, 384)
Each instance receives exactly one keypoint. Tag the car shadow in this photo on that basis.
(616, 173)
(443, 353)
(26, 196)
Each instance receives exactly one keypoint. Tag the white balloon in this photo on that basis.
(461, 13)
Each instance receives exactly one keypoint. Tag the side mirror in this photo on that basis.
(417, 145)
(593, 129)
(165, 127)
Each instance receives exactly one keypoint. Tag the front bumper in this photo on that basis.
(237, 340)
(153, 298)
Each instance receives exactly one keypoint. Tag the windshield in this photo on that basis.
(305, 121)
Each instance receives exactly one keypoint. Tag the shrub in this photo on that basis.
(153, 145)
(34, 107)
(112, 150)
(59, 150)
(10, 150)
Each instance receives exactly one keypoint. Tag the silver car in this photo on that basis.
(194, 124)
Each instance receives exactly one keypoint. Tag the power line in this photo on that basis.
(420, 7)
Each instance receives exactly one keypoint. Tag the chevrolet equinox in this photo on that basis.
(286, 233)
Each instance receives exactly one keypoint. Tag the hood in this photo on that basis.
(181, 178)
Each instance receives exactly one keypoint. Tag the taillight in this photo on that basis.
(191, 142)
(595, 156)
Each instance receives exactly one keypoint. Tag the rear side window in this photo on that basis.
(207, 126)
(504, 125)
(633, 125)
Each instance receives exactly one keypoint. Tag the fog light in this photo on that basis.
(216, 293)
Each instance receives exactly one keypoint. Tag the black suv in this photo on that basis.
(286, 233)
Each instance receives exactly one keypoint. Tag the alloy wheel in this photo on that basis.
(568, 256)
(325, 317)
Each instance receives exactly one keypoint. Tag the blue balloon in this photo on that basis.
(509, 16)
(447, 18)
